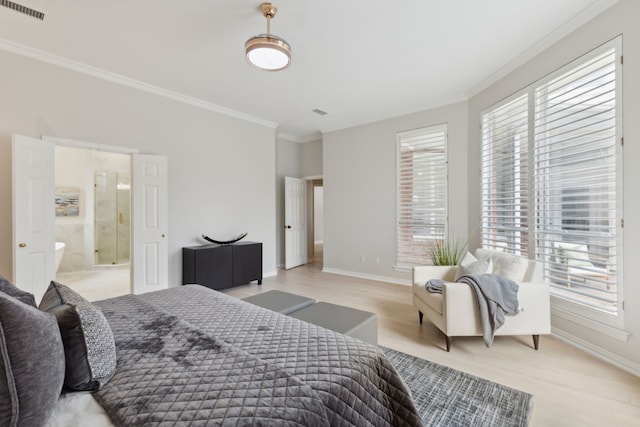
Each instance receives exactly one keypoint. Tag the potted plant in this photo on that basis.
(444, 252)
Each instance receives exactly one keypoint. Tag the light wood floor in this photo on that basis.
(570, 387)
(98, 284)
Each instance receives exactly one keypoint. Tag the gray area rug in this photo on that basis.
(448, 397)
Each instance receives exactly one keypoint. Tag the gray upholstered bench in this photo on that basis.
(346, 320)
(282, 302)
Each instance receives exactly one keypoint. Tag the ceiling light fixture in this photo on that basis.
(266, 51)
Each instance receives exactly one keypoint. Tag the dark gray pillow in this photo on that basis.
(31, 364)
(89, 346)
(8, 288)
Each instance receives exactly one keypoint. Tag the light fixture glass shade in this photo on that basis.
(268, 52)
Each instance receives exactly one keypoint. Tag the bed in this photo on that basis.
(194, 356)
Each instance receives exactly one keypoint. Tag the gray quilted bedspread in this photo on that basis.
(194, 356)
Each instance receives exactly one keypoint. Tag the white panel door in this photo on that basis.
(295, 236)
(33, 178)
(150, 269)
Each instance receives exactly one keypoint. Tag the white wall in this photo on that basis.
(311, 158)
(221, 169)
(620, 19)
(359, 191)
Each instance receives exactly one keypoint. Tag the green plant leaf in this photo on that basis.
(443, 252)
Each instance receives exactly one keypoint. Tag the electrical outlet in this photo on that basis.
(377, 260)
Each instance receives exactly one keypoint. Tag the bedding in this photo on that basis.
(8, 288)
(31, 363)
(192, 355)
(89, 347)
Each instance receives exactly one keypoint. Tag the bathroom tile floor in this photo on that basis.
(98, 284)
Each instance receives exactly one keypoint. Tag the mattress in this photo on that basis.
(194, 356)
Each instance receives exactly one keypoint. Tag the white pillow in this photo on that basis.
(507, 265)
(470, 265)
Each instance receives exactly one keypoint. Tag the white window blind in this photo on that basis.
(552, 180)
(421, 205)
(575, 148)
(505, 173)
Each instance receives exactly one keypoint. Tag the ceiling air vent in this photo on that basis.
(320, 112)
(22, 9)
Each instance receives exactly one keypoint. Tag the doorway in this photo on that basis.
(315, 221)
(34, 223)
(96, 234)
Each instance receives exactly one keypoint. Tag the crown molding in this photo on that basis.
(577, 21)
(50, 58)
(307, 138)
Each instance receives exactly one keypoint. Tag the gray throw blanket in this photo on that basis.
(496, 297)
(434, 286)
(191, 356)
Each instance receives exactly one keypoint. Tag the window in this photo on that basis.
(575, 148)
(551, 180)
(421, 205)
(505, 197)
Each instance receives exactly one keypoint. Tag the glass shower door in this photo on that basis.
(111, 221)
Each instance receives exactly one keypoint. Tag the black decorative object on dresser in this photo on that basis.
(222, 266)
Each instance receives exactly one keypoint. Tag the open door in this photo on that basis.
(294, 222)
(150, 223)
(33, 179)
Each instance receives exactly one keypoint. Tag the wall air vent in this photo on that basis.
(320, 112)
(22, 9)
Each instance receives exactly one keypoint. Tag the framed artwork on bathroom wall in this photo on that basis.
(67, 201)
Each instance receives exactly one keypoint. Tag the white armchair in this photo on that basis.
(455, 312)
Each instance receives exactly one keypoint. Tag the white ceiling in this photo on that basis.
(359, 61)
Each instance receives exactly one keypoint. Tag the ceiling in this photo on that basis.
(359, 61)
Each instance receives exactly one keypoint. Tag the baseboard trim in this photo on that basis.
(596, 351)
(269, 273)
(396, 280)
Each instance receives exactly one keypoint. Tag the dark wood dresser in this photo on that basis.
(222, 266)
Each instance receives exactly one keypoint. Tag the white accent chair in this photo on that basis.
(455, 312)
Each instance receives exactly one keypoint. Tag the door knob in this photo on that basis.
(23, 245)
(287, 226)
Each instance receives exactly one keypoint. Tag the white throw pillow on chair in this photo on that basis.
(471, 265)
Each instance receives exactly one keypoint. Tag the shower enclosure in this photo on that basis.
(112, 233)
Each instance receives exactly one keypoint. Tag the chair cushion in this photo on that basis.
(433, 300)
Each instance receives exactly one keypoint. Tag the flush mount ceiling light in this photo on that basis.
(266, 51)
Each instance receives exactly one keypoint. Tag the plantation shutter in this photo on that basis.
(505, 177)
(576, 181)
(421, 205)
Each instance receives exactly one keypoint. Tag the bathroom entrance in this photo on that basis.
(93, 220)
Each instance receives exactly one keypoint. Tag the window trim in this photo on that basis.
(426, 130)
(607, 323)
